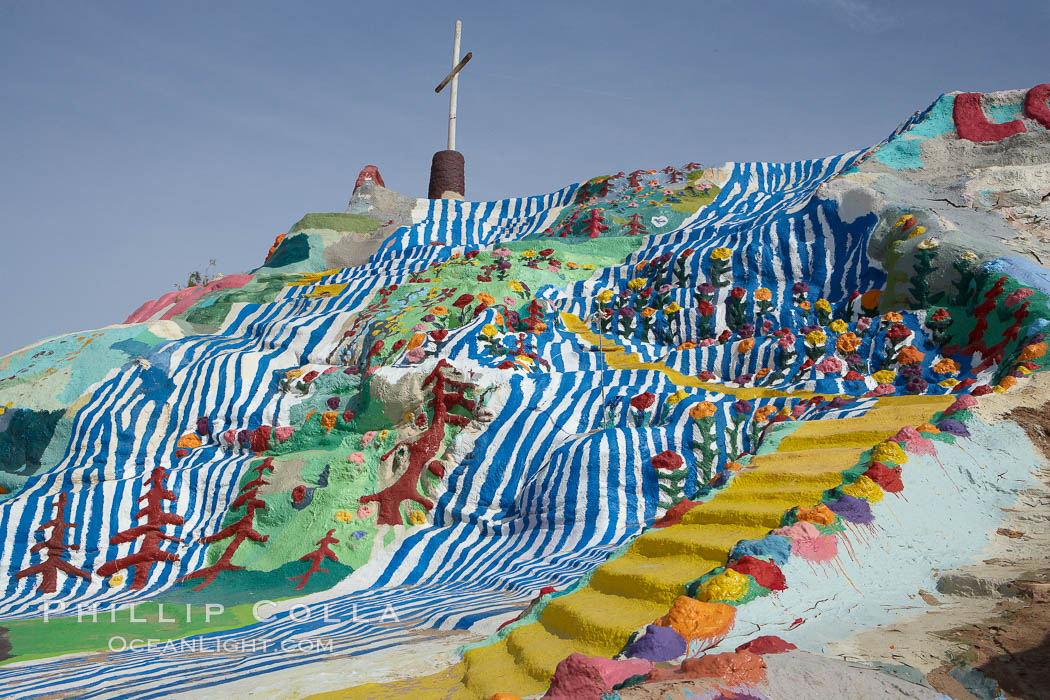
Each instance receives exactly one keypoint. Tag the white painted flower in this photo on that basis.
(659, 221)
(929, 244)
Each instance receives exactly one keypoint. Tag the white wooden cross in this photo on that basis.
(457, 66)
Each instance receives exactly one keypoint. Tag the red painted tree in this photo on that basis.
(633, 179)
(594, 224)
(635, 227)
(316, 558)
(694, 166)
(152, 532)
(240, 531)
(566, 227)
(446, 394)
(54, 544)
(674, 174)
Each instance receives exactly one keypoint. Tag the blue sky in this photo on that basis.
(138, 140)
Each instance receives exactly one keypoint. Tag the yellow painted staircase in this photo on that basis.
(638, 587)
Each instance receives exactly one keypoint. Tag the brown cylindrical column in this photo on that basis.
(447, 174)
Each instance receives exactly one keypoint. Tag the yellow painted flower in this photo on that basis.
(417, 517)
(116, 580)
(763, 294)
(838, 325)
(293, 373)
(889, 451)
(383, 434)
(489, 330)
(677, 396)
(949, 383)
(486, 298)
(901, 220)
(823, 305)
(816, 338)
(605, 296)
(884, 376)
(587, 266)
(704, 409)
(637, 283)
(439, 310)
(970, 256)
(530, 253)
(515, 286)
(524, 360)
(864, 488)
(929, 244)
(344, 516)
(917, 231)
(672, 308)
(730, 585)
(721, 254)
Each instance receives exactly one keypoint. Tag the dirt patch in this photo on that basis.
(1036, 423)
(1012, 647)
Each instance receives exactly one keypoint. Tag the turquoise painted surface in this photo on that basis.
(905, 151)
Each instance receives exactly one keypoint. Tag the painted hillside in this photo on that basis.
(656, 427)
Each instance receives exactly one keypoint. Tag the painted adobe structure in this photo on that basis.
(479, 445)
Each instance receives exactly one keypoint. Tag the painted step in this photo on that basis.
(659, 579)
(600, 619)
(704, 541)
(764, 514)
(538, 650)
(493, 669)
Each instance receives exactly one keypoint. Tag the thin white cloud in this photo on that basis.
(859, 15)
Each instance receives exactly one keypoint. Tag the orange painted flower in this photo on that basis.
(1007, 382)
(763, 294)
(640, 265)
(745, 345)
(847, 343)
(687, 345)
(415, 341)
(1033, 351)
(649, 313)
(540, 327)
(870, 299)
(764, 412)
(486, 298)
(805, 305)
(909, 356)
(439, 310)
(704, 409)
(734, 466)
(892, 317)
(946, 366)
(762, 372)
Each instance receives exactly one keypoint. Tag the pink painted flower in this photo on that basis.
(357, 457)
(367, 438)
(421, 328)
(365, 511)
(510, 301)
(415, 355)
(863, 323)
(830, 365)
(501, 253)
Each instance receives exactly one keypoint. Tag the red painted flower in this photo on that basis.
(376, 349)
(738, 292)
(898, 332)
(643, 401)
(463, 300)
(706, 376)
(667, 460)
(310, 376)
(399, 344)
(854, 376)
(705, 308)
(686, 253)
(941, 315)
(439, 335)
(547, 251)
